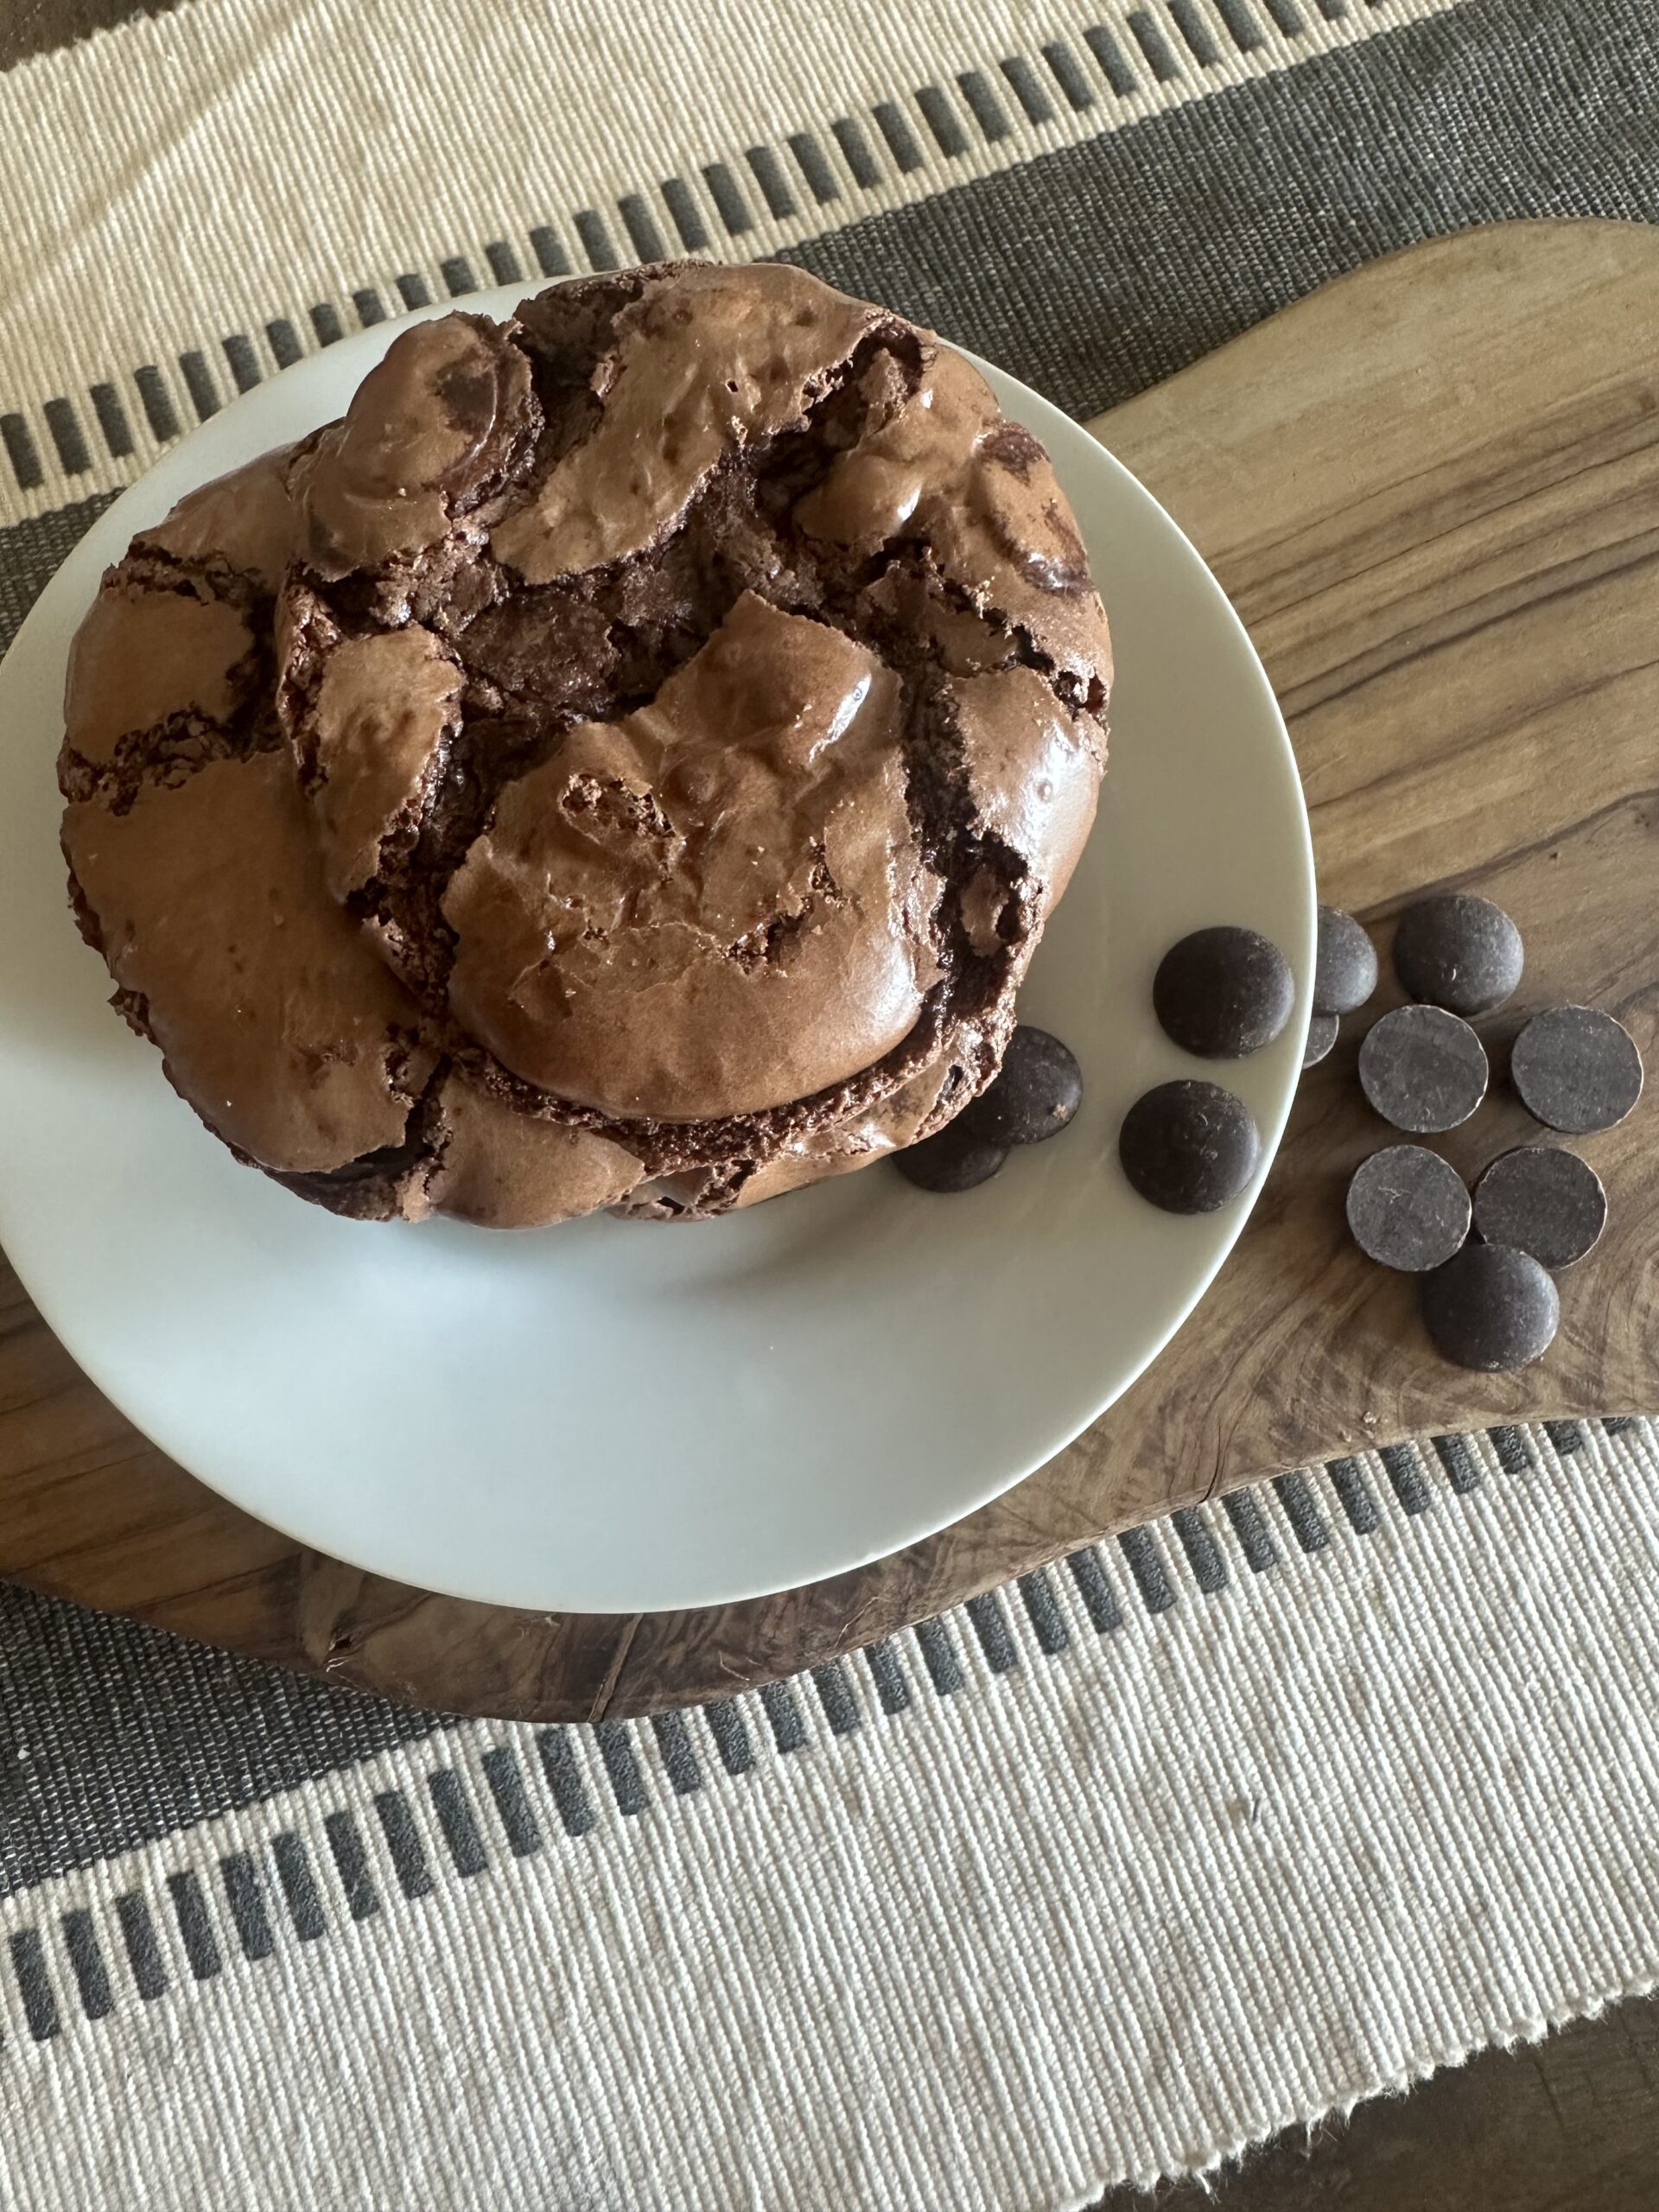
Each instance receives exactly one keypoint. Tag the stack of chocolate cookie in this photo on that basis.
(627, 761)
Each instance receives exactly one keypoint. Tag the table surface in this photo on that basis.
(1567, 2125)
(37, 26)
(1433, 491)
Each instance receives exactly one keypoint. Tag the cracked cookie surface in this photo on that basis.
(628, 760)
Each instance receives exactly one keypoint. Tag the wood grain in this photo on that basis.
(1433, 491)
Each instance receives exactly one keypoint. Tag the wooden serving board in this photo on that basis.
(1433, 491)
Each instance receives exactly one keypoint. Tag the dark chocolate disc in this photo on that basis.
(953, 1159)
(1408, 1208)
(1188, 1146)
(1490, 1307)
(1321, 1036)
(1542, 1200)
(1222, 992)
(1344, 973)
(1422, 1069)
(1455, 950)
(1576, 1069)
(1038, 1090)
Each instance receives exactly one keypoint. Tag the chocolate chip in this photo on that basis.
(1458, 951)
(1189, 1148)
(953, 1159)
(1490, 1307)
(1422, 1069)
(1576, 1069)
(1408, 1208)
(1321, 1036)
(1344, 972)
(1222, 992)
(1038, 1090)
(1541, 1200)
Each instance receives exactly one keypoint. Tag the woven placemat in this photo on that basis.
(1210, 1830)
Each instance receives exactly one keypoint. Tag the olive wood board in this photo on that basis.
(1431, 490)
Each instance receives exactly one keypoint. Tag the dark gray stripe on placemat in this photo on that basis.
(87, 1963)
(1249, 1525)
(939, 1656)
(1140, 1548)
(788, 1729)
(616, 1750)
(991, 1627)
(564, 1780)
(835, 1690)
(112, 1735)
(456, 1819)
(247, 1905)
(507, 1779)
(1202, 1553)
(32, 552)
(409, 1860)
(1403, 1465)
(1099, 1601)
(679, 1758)
(1461, 1461)
(196, 1925)
(293, 1864)
(1511, 1445)
(1348, 1480)
(33, 1983)
(1307, 1525)
(1043, 1611)
(352, 1866)
(731, 1737)
(144, 1951)
(892, 1689)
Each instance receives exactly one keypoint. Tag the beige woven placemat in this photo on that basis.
(1205, 1831)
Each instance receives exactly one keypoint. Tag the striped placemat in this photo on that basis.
(1207, 1830)
(1202, 1832)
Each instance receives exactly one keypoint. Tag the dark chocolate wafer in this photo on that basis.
(1036, 1093)
(1422, 1069)
(1408, 1208)
(1222, 993)
(1541, 1199)
(1321, 1037)
(1189, 1148)
(1458, 951)
(1492, 1307)
(954, 1160)
(1344, 971)
(1576, 1069)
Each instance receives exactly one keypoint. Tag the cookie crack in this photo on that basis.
(375, 1184)
(162, 756)
(210, 579)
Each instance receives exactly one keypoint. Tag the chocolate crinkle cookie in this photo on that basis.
(627, 761)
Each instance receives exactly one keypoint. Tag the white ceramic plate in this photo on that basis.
(613, 1416)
